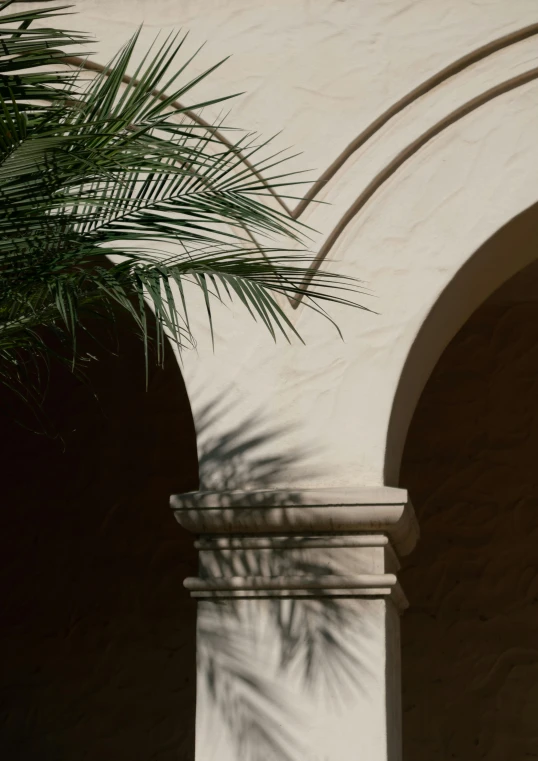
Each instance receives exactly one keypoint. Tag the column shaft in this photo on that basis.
(298, 625)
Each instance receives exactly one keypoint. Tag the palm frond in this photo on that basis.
(30, 64)
(108, 170)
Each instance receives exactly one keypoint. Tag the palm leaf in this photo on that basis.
(108, 170)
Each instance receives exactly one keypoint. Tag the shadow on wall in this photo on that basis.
(245, 645)
(97, 633)
(244, 650)
(508, 251)
(470, 638)
(242, 456)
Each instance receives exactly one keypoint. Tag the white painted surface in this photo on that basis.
(286, 669)
(275, 711)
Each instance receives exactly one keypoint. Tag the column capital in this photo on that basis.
(309, 543)
(381, 509)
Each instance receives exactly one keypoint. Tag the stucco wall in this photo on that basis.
(407, 210)
(470, 654)
(97, 632)
(407, 240)
(445, 96)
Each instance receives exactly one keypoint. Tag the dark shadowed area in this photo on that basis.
(97, 631)
(470, 638)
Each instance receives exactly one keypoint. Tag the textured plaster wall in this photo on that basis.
(319, 69)
(470, 653)
(93, 559)
(406, 210)
(97, 634)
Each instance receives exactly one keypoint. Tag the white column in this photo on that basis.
(298, 622)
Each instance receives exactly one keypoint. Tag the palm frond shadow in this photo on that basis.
(319, 640)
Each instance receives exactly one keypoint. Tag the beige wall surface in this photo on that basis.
(425, 113)
(448, 96)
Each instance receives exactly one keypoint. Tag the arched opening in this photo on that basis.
(470, 637)
(98, 634)
(512, 248)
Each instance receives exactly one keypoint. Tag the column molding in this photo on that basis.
(290, 583)
(355, 536)
(383, 509)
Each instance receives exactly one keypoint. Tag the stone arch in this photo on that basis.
(430, 107)
(470, 662)
(507, 252)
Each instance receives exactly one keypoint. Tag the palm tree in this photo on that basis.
(113, 195)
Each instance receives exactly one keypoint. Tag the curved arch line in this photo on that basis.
(84, 63)
(467, 288)
(449, 71)
(422, 89)
(407, 153)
